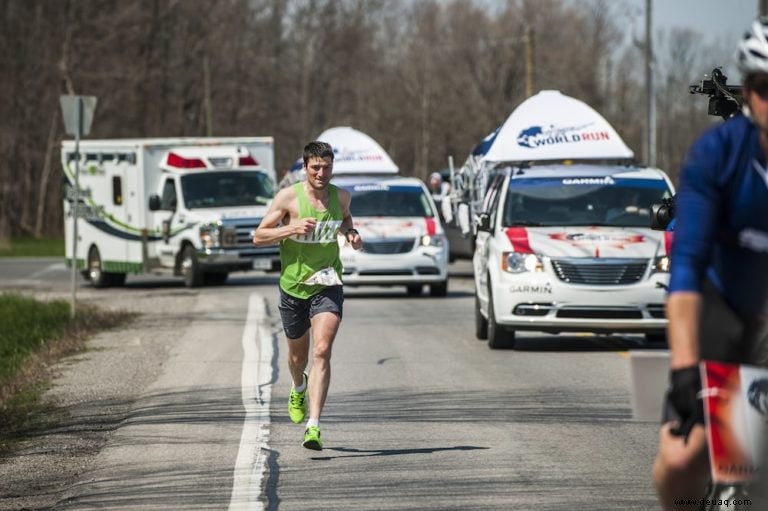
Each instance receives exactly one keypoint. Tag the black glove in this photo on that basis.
(683, 404)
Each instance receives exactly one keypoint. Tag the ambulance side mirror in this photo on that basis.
(484, 222)
(154, 202)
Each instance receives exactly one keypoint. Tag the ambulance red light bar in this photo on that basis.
(174, 160)
(248, 161)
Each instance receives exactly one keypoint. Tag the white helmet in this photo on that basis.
(753, 48)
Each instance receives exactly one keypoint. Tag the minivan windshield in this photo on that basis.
(384, 200)
(602, 201)
(224, 189)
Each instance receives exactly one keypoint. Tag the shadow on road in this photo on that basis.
(364, 453)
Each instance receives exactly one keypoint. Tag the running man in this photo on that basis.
(305, 219)
(718, 291)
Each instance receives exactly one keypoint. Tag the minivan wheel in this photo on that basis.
(498, 336)
(440, 289)
(481, 324)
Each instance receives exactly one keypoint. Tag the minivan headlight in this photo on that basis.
(434, 240)
(515, 262)
(662, 264)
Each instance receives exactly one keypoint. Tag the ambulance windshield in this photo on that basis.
(226, 189)
(600, 201)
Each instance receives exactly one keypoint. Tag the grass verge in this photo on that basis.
(33, 247)
(34, 336)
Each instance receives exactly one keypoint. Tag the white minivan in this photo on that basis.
(566, 248)
(404, 242)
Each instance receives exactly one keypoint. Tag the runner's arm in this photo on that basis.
(270, 232)
(354, 239)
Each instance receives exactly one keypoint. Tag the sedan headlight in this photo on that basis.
(435, 240)
(515, 262)
(661, 264)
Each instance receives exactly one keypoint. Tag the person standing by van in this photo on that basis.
(305, 219)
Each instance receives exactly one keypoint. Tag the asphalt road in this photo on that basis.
(185, 409)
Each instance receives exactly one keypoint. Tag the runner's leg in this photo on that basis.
(324, 328)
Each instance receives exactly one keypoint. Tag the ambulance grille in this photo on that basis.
(396, 246)
(600, 272)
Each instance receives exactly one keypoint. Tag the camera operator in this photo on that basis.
(718, 293)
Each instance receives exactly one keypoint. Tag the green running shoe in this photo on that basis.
(312, 439)
(297, 404)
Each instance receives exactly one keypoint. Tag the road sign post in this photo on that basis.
(77, 112)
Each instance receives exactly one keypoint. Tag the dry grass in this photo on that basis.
(20, 391)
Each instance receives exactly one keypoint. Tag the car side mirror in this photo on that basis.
(463, 218)
(484, 222)
(154, 202)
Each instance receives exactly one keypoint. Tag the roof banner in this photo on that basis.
(553, 126)
(357, 153)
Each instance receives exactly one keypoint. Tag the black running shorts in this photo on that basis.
(296, 313)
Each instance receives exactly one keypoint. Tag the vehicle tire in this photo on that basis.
(216, 279)
(499, 338)
(656, 338)
(440, 289)
(98, 277)
(190, 268)
(481, 324)
(117, 279)
(413, 290)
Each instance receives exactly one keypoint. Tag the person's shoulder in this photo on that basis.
(735, 128)
(720, 138)
(285, 195)
(342, 193)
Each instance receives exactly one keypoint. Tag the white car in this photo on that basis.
(403, 239)
(569, 248)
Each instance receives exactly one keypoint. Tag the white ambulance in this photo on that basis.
(404, 243)
(563, 234)
(180, 206)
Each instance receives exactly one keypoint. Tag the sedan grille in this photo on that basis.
(600, 272)
(400, 246)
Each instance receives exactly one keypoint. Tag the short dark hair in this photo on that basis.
(317, 149)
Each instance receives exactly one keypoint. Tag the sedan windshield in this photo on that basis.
(226, 189)
(605, 201)
(384, 200)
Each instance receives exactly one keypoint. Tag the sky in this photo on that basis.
(728, 19)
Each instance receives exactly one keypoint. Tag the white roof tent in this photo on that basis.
(551, 126)
(357, 153)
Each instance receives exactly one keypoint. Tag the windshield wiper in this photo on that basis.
(525, 223)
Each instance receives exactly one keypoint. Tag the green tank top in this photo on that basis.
(301, 256)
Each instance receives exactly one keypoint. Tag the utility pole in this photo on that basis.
(650, 153)
(529, 70)
(207, 98)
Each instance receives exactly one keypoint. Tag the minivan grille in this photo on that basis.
(600, 272)
(399, 246)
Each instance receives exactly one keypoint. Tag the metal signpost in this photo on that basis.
(77, 112)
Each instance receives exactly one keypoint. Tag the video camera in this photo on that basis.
(724, 100)
(662, 214)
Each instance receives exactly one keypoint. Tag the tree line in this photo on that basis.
(425, 78)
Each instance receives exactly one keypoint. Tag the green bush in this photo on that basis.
(26, 325)
(33, 247)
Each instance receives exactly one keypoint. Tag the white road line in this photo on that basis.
(257, 370)
(50, 268)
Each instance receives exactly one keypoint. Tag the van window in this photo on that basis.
(168, 201)
(601, 201)
(385, 200)
(117, 190)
